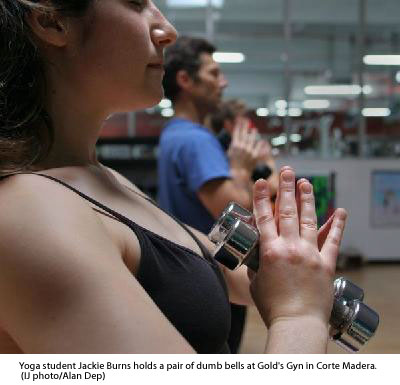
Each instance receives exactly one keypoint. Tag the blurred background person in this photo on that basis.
(197, 179)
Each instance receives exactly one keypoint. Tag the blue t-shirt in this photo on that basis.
(189, 156)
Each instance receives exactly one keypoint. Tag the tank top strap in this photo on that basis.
(121, 218)
(206, 254)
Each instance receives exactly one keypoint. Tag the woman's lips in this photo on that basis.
(157, 66)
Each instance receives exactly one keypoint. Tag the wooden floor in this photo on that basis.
(381, 284)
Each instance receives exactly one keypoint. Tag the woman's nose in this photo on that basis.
(164, 35)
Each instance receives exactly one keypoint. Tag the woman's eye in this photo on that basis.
(138, 3)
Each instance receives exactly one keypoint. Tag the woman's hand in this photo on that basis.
(295, 277)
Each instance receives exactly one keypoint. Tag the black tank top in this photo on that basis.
(189, 289)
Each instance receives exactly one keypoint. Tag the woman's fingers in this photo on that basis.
(276, 209)
(308, 217)
(330, 249)
(262, 209)
(324, 231)
(298, 193)
(287, 210)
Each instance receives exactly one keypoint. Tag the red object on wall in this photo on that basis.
(149, 124)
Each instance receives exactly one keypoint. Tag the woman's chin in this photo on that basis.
(152, 100)
(146, 100)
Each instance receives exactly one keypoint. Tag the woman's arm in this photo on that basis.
(63, 285)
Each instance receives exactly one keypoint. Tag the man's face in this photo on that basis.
(209, 84)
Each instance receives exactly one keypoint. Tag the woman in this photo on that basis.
(78, 276)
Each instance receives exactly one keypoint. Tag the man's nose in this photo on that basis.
(223, 82)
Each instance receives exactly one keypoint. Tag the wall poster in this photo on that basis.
(385, 198)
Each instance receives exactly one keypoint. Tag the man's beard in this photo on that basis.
(207, 105)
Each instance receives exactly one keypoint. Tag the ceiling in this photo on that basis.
(323, 48)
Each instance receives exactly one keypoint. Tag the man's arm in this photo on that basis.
(216, 194)
(243, 154)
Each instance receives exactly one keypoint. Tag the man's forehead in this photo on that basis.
(207, 60)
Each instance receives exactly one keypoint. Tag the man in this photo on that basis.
(196, 179)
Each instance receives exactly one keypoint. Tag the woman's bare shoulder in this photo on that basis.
(38, 211)
(25, 196)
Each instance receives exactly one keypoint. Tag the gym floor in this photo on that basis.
(381, 284)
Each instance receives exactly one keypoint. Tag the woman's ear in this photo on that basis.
(48, 26)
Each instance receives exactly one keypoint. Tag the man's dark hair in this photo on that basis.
(183, 55)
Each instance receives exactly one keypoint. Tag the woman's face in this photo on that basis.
(117, 53)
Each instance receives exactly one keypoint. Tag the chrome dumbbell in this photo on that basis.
(236, 238)
(352, 323)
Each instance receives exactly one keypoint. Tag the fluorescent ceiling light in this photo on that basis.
(165, 103)
(376, 112)
(229, 57)
(194, 3)
(316, 104)
(337, 89)
(382, 60)
(262, 111)
(281, 104)
(293, 111)
(295, 138)
(279, 140)
(167, 112)
(398, 77)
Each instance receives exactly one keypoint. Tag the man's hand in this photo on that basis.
(245, 151)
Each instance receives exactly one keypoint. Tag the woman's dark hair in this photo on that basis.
(183, 55)
(26, 133)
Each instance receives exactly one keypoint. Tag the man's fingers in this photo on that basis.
(251, 140)
(262, 209)
(264, 151)
(330, 249)
(236, 135)
(258, 150)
